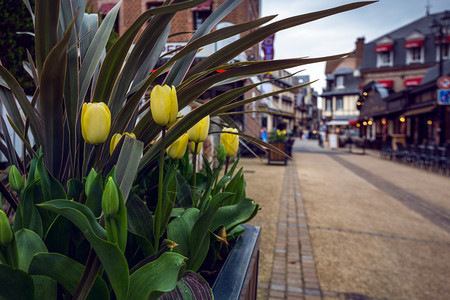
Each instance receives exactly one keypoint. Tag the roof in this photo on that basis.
(398, 36)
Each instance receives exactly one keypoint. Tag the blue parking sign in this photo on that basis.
(443, 97)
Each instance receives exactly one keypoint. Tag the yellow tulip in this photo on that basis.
(115, 140)
(164, 104)
(179, 116)
(199, 132)
(95, 122)
(230, 141)
(178, 148)
(199, 147)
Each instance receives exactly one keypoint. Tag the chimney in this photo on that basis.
(359, 50)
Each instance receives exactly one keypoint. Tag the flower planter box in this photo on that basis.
(238, 278)
(276, 157)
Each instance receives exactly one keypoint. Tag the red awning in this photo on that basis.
(352, 122)
(413, 43)
(383, 48)
(445, 39)
(205, 6)
(412, 81)
(106, 7)
(386, 83)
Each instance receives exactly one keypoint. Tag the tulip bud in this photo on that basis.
(89, 180)
(199, 147)
(115, 140)
(164, 104)
(199, 132)
(6, 234)
(230, 141)
(15, 179)
(178, 148)
(95, 122)
(222, 154)
(110, 199)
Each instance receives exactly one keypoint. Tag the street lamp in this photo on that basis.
(440, 29)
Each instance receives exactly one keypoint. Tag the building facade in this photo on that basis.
(399, 91)
(307, 112)
(340, 97)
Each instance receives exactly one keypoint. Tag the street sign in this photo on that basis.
(443, 97)
(444, 82)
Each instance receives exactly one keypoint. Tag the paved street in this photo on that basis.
(350, 226)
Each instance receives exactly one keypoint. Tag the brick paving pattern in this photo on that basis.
(293, 273)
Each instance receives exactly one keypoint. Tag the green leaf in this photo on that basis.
(190, 286)
(94, 200)
(10, 104)
(230, 51)
(110, 255)
(67, 272)
(156, 277)
(74, 189)
(180, 228)
(169, 196)
(179, 69)
(232, 215)
(127, 164)
(199, 237)
(28, 244)
(96, 49)
(15, 284)
(184, 192)
(140, 219)
(27, 215)
(52, 80)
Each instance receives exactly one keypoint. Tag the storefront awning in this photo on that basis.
(383, 48)
(205, 6)
(413, 43)
(352, 122)
(386, 83)
(420, 111)
(412, 81)
(338, 122)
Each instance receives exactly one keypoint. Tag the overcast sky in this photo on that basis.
(338, 33)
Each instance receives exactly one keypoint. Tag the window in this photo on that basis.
(445, 51)
(340, 82)
(339, 104)
(414, 55)
(328, 105)
(200, 17)
(384, 59)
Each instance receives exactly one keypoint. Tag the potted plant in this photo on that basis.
(104, 201)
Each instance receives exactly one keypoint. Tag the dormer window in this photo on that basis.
(340, 82)
(385, 55)
(445, 45)
(415, 52)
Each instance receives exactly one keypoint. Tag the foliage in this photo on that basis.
(124, 226)
(277, 135)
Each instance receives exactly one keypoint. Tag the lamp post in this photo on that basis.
(440, 29)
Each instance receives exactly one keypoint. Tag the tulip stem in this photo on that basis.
(194, 173)
(160, 189)
(227, 161)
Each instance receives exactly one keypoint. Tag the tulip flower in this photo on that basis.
(230, 141)
(179, 116)
(110, 199)
(15, 179)
(199, 147)
(199, 132)
(116, 138)
(164, 104)
(178, 148)
(6, 234)
(95, 122)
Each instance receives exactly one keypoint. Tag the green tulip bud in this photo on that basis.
(15, 179)
(110, 199)
(6, 234)
(222, 154)
(89, 181)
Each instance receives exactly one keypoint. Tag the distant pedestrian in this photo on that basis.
(301, 134)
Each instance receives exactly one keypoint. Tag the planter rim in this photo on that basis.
(230, 281)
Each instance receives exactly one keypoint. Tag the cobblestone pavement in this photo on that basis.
(346, 231)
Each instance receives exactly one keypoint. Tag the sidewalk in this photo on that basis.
(337, 225)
